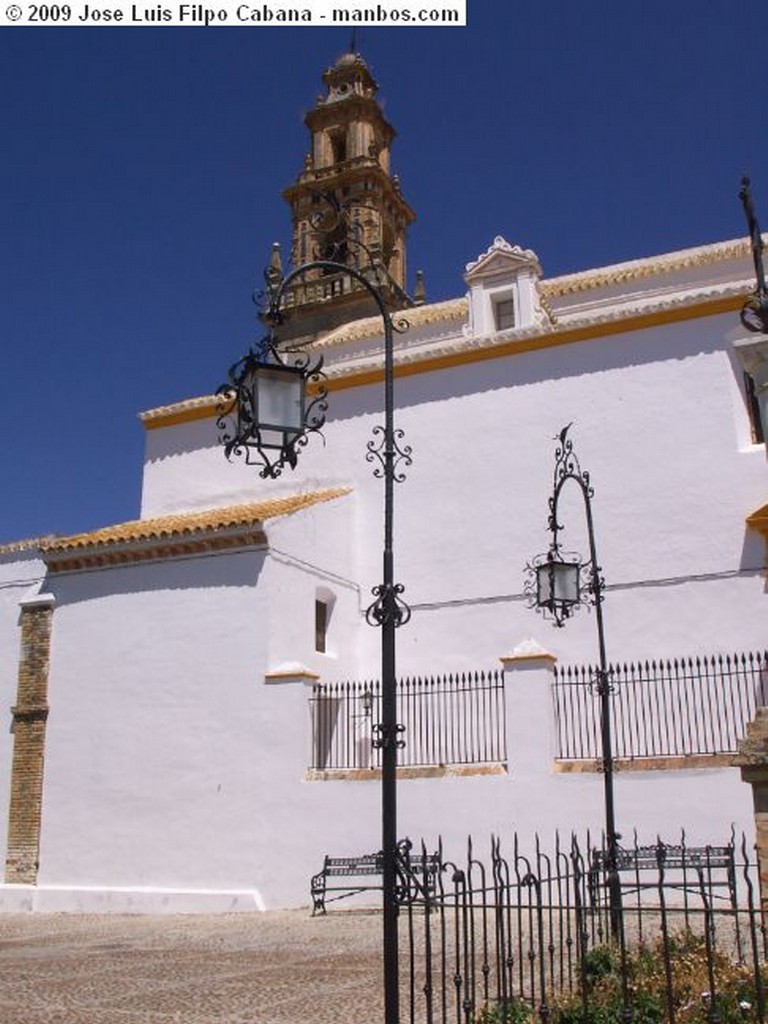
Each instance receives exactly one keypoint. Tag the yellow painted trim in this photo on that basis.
(758, 520)
(275, 677)
(172, 419)
(522, 659)
(565, 337)
(206, 409)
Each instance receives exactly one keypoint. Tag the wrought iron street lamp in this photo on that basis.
(274, 400)
(558, 584)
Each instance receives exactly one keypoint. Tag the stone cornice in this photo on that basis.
(455, 348)
(459, 350)
(200, 408)
(635, 270)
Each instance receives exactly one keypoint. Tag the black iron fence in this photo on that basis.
(674, 708)
(669, 708)
(448, 720)
(512, 937)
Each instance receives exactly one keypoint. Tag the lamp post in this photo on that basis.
(754, 314)
(285, 385)
(559, 583)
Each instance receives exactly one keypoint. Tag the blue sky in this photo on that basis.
(141, 173)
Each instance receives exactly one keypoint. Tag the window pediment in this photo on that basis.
(502, 259)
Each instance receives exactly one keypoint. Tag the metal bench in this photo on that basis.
(681, 865)
(366, 871)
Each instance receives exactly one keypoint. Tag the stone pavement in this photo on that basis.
(281, 967)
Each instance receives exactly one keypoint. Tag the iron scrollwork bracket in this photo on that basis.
(595, 586)
(389, 453)
(388, 737)
(601, 683)
(388, 606)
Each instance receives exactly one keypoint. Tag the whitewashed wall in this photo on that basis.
(176, 757)
(658, 420)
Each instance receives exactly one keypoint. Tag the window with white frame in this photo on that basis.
(504, 313)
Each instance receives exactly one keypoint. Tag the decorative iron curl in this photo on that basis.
(385, 740)
(389, 454)
(341, 232)
(595, 585)
(601, 682)
(388, 606)
(406, 884)
(567, 467)
(331, 216)
(400, 324)
(416, 879)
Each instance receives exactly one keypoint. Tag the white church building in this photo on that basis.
(190, 696)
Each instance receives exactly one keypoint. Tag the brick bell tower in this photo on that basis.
(346, 190)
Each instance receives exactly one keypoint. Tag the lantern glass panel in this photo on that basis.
(557, 583)
(279, 399)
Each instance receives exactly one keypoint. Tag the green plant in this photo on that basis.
(649, 994)
(647, 988)
(511, 1011)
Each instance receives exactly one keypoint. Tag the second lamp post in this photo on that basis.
(559, 588)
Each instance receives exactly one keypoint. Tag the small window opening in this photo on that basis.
(339, 147)
(321, 626)
(505, 314)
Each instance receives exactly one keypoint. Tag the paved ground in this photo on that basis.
(273, 968)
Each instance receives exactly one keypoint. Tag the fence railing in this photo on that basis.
(448, 720)
(516, 938)
(669, 708)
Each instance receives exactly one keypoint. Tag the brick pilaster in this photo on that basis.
(752, 758)
(29, 719)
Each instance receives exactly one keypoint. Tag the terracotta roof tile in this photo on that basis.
(172, 529)
(27, 544)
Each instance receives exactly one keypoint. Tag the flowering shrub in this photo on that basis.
(691, 999)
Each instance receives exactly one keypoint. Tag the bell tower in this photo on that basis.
(346, 195)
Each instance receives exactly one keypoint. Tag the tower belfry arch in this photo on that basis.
(345, 189)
